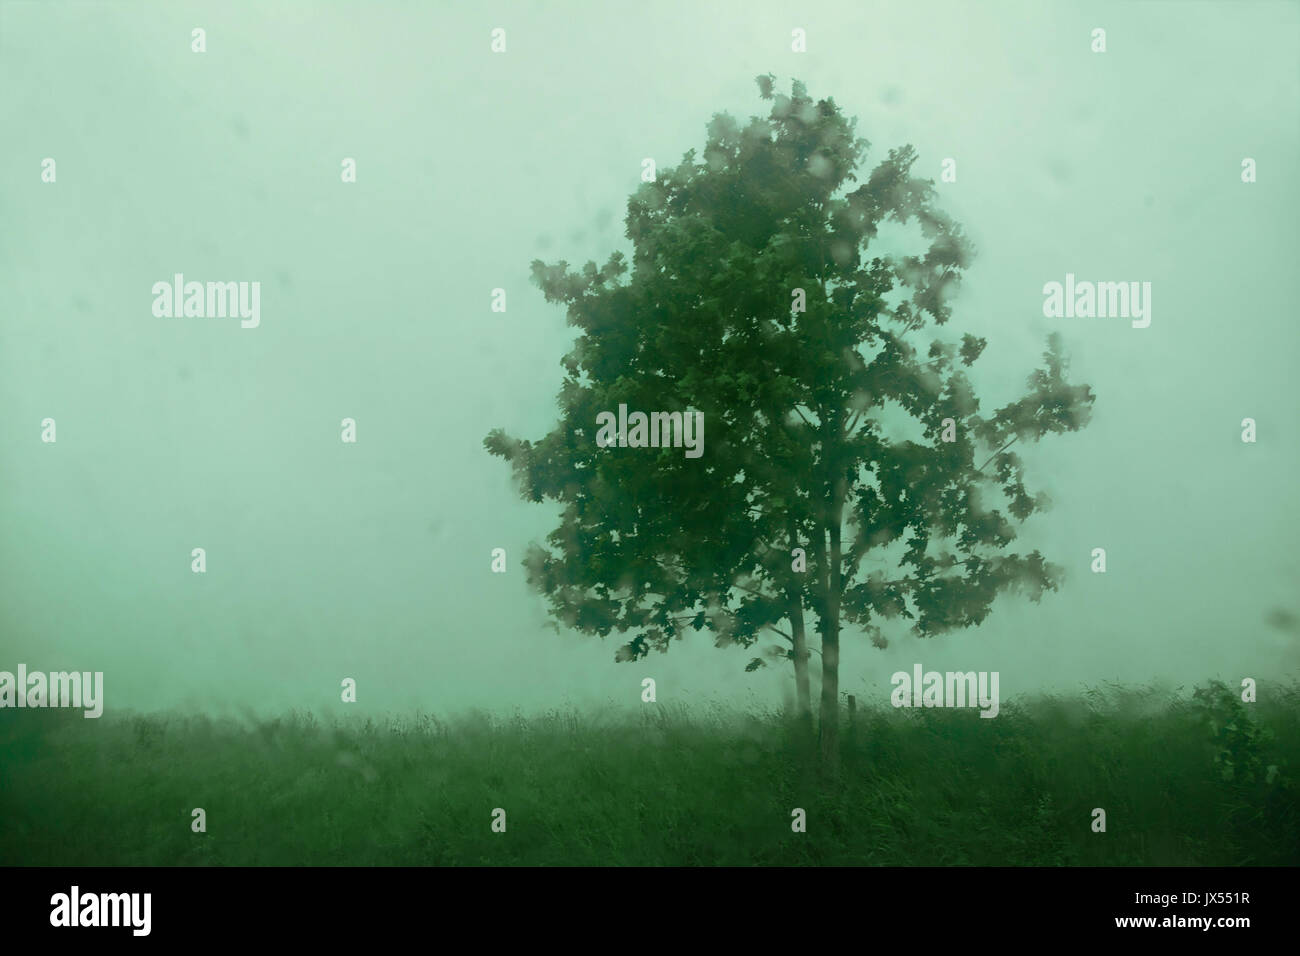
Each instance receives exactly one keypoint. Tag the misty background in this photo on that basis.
(372, 561)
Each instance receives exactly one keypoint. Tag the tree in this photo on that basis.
(751, 300)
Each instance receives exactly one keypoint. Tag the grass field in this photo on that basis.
(1184, 780)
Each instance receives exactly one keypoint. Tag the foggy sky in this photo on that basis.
(372, 561)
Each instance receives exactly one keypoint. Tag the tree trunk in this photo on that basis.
(830, 715)
(801, 655)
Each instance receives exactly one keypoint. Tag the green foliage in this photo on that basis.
(1237, 740)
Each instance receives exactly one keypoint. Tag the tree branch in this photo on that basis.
(773, 627)
(998, 452)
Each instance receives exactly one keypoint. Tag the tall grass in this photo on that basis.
(1184, 780)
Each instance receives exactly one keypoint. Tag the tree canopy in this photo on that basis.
(762, 294)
